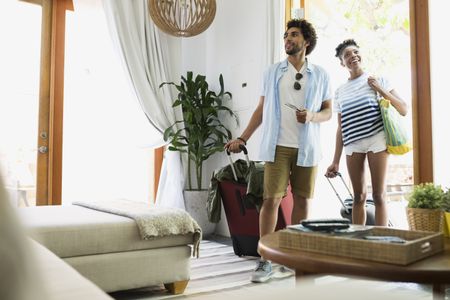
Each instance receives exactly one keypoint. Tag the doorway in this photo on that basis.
(382, 29)
(19, 98)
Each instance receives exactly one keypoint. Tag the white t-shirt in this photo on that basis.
(290, 128)
(357, 103)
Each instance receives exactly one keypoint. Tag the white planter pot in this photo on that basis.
(195, 202)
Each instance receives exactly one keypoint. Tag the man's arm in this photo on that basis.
(305, 116)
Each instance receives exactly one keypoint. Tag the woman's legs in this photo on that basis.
(378, 167)
(355, 167)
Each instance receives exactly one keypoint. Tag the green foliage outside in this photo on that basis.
(201, 133)
(378, 26)
(426, 195)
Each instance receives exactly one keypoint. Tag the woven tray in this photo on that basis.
(418, 245)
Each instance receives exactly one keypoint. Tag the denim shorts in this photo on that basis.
(375, 143)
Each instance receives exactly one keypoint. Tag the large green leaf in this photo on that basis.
(203, 132)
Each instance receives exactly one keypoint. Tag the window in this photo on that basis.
(441, 105)
(19, 97)
(31, 106)
(383, 31)
(106, 154)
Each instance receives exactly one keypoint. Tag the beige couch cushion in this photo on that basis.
(19, 278)
(61, 280)
(71, 230)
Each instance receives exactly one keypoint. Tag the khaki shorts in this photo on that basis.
(277, 175)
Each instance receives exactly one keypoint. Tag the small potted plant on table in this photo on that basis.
(424, 210)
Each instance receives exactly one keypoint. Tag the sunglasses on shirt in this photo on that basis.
(297, 85)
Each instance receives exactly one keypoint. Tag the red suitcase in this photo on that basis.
(243, 221)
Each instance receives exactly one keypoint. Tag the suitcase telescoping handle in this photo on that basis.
(337, 194)
(244, 149)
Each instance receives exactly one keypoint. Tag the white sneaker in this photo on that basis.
(282, 272)
(263, 272)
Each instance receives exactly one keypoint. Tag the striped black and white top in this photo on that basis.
(357, 103)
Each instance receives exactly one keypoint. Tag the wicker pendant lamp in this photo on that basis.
(182, 18)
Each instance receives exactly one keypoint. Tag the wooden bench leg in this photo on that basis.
(176, 288)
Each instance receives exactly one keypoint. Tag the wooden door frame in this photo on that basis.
(158, 160)
(421, 93)
(420, 72)
(51, 99)
(288, 4)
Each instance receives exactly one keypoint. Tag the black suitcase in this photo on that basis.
(243, 219)
(347, 204)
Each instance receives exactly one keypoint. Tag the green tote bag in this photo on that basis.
(397, 139)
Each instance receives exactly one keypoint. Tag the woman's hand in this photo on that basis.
(332, 170)
(374, 84)
(233, 145)
(392, 95)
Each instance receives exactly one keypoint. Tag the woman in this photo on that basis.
(360, 131)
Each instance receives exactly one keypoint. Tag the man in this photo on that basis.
(291, 143)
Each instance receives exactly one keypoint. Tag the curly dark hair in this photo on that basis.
(307, 30)
(343, 45)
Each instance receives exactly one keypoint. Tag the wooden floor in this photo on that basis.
(220, 274)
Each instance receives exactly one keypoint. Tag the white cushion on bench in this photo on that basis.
(71, 230)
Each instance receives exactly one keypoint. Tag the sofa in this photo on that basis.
(61, 280)
(108, 249)
(81, 252)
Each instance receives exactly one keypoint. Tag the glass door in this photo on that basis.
(107, 149)
(19, 98)
(382, 30)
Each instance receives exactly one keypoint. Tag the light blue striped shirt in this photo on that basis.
(358, 105)
(317, 90)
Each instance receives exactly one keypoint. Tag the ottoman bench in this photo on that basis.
(109, 250)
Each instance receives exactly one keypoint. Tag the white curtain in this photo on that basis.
(273, 44)
(143, 50)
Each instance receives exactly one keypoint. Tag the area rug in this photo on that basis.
(217, 269)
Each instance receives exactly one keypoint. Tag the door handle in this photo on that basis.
(43, 149)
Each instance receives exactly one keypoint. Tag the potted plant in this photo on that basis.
(424, 207)
(199, 135)
(445, 205)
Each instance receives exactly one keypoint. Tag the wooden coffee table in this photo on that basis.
(433, 270)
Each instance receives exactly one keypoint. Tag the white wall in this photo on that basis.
(231, 46)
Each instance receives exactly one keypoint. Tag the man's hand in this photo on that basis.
(304, 116)
(233, 145)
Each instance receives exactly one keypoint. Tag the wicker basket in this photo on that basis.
(418, 245)
(425, 219)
